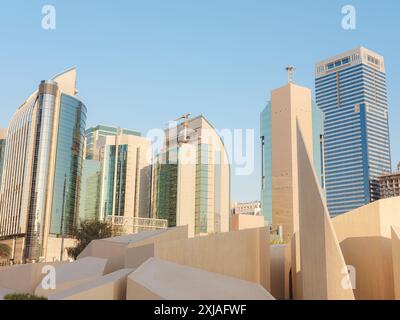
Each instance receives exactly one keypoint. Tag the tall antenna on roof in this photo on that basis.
(290, 70)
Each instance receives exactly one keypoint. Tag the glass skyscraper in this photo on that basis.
(42, 167)
(351, 91)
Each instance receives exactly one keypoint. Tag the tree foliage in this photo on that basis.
(22, 296)
(88, 231)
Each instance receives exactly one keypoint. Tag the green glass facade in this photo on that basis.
(108, 180)
(166, 172)
(166, 186)
(114, 180)
(68, 165)
(266, 166)
(202, 189)
(89, 205)
(120, 190)
(318, 142)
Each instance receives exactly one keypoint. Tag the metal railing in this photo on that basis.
(137, 224)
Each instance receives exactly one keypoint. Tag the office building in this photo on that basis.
(389, 184)
(42, 164)
(351, 91)
(95, 138)
(126, 183)
(291, 107)
(191, 178)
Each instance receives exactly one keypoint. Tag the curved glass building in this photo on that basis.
(42, 165)
(191, 178)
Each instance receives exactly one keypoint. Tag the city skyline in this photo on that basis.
(233, 78)
(200, 150)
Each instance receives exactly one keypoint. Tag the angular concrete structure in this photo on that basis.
(365, 236)
(242, 254)
(396, 261)
(323, 268)
(278, 271)
(24, 278)
(163, 280)
(72, 274)
(116, 246)
(246, 221)
(109, 287)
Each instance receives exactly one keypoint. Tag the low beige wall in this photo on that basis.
(245, 221)
(371, 258)
(23, 278)
(242, 254)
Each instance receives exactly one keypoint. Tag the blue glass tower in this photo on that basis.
(351, 91)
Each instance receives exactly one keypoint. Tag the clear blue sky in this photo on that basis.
(142, 63)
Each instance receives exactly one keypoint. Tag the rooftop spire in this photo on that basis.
(290, 70)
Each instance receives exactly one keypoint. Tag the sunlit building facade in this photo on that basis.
(39, 195)
(95, 138)
(125, 184)
(351, 91)
(3, 133)
(289, 112)
(191, 178)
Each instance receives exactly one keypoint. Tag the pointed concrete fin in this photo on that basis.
(323, 269)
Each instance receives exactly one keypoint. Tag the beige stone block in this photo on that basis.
(164, 280)
(396, 261)
(245, 221)
(365, 238)
(117, 246)
(75, 273)
(242, 254)
(109, 287)
(23, 278)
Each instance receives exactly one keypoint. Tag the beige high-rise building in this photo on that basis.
(42, 163)
(191, 178)
(126, 183)
(290, 106)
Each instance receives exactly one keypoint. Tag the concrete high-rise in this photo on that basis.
(42, 164)
(290, 107)
(191, 178)
(351, 91)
